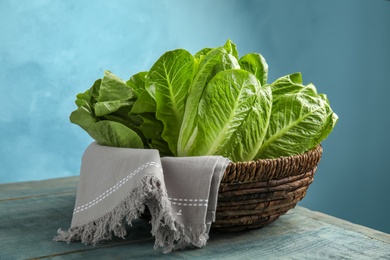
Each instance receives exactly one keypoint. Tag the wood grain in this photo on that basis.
(30, 214)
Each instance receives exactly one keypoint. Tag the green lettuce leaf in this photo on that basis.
(231, 48)
(290, 84)
(213, 62)
(83, 116)
(113, 88)
(152, 128)
(108, 107)
(106, 132)
(107, 120)
(114, 134)
(168, 83)
(137, 82)
(144, 108)
(113, 94)
(255, 63)
(249, 136)
(203, 52)
(144, 104)
(234, 113)
(299, 122)
(90, 96)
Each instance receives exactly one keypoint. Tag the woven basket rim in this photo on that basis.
(276, 168)
(255, 193)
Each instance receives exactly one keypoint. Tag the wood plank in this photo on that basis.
(369, 232)
(19, 190)
(33, 221)
(29, 223)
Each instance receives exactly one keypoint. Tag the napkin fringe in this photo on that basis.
(168, 232)
(192, 235)
(129, 209)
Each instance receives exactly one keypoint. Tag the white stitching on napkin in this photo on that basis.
(114, 188)
(183, 202)
(189, 204)
(190, 200)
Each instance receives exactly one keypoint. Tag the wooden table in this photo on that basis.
(31, 213)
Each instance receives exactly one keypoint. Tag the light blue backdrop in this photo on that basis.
(52, 50)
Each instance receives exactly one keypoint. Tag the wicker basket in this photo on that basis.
(256, 193)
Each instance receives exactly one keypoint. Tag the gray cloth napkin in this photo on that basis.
(116, 183)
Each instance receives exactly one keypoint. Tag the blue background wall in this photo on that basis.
(52, 50)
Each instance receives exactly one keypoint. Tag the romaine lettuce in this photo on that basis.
(209, 103)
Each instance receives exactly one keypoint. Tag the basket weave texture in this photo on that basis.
(256, 193)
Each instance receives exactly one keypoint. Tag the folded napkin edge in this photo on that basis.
(129, 209)
(168, 232)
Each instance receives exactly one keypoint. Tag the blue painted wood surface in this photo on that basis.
(31, 212)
